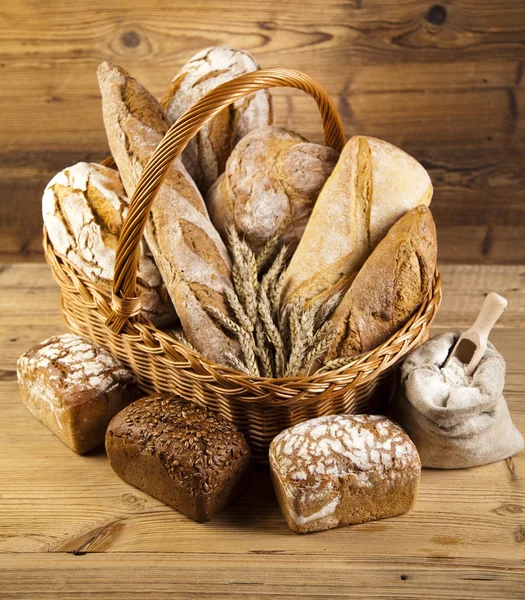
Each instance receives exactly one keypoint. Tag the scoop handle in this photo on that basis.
(491, 310)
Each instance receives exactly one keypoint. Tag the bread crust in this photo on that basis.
(74, 388)
(84, 207)
(188, 250)
(272, 180)
(390, 286)
(372, 185)
(206, 154)
(343, 469)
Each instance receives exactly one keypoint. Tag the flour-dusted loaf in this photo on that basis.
(206, 154)
(390, 286)
(188, 250)
(342, 469)
(270, 185)
(179, 452)
(75, 389)
(371, 187)
(84, 207)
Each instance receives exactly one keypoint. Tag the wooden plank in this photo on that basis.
(445, 82)
(222, 576)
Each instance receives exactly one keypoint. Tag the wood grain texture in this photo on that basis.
(442, 80)
(70, 528)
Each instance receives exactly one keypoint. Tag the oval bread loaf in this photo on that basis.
(206, 154)
(188, 250)
(270, 185)
(389, 288)
(372, 185)
(84, 207)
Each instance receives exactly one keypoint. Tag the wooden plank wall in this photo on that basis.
(444, 81)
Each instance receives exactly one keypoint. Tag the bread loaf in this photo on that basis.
(206, 154)
(84, 207)
(342, 469)
(371, 186)
(189, 252)
(390, 286)
(270, 185)
(74, 388)
(181, 453)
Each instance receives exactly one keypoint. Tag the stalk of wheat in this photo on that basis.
(274, 342)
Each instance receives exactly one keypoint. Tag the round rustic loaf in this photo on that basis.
(84, 207)
(270, 185)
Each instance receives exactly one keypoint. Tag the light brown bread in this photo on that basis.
(188, 250)
(179, 452)
(270, 185)
(206, 154)
(74, 388)
(390, 286)
(372, 185)
(343, 469)
(84, 207)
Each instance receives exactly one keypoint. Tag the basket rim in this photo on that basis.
(156, 341)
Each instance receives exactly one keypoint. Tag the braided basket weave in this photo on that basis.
(260, 407)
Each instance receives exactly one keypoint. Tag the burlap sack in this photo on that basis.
(455, 427)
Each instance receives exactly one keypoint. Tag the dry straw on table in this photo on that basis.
(259, 406)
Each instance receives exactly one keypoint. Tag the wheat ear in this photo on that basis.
(272, 332)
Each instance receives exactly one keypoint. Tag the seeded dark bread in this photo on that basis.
(180, 453)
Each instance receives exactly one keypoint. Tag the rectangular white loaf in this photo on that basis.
(75, 388)
(343, 469)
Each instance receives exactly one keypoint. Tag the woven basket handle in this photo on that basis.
(125, 302)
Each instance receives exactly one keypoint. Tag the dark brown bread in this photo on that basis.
(390, 286)
(74, 388)
(180, 453)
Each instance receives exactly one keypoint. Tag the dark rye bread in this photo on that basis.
(390, 286)
(180, 453)
(189, 252)
(343, 469)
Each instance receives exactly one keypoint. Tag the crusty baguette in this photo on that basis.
(205, 155)
(390, 286)
(372, 185)
(84, 207)
(189, 252)
(270, 185)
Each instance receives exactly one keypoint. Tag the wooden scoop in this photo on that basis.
(472, 344)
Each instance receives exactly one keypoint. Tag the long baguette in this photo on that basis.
(206, 154)
(189, 252)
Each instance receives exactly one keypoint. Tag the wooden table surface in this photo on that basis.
(70, 528)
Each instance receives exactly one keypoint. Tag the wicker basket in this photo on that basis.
(260, 407)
